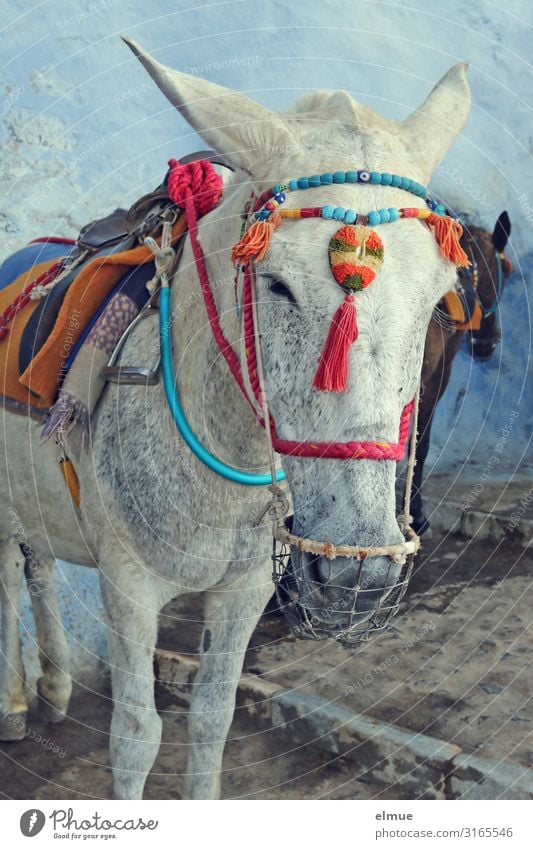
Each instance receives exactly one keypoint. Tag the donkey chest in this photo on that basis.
(170, 508)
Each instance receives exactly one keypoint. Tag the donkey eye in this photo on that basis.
(279, 288)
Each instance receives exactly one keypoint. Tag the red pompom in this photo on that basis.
(198, 180)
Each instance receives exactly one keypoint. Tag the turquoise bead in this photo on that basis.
(349, 216)
(327, 178)
(406, 183)
(440, 209)
(375, 177)
(351, 176)
(328, 210)
(393, 213)
(303, 183)
(293, 185)
(384, 215)
(339, 177)
(314, 181)
(396, 181)
(386, 179)
(338, 213)
(263, 215)
(374, 218)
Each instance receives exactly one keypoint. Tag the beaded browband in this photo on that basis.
(268, 202)
(355, 250)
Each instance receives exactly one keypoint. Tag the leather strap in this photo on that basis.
(212, 157)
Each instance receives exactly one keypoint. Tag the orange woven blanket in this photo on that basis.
(38, 386)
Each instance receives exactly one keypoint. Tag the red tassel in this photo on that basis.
(332, 372)
(448, 232)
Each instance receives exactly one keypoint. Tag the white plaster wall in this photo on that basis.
(83, 130)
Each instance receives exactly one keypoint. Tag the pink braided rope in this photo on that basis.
(211, 308)
(196, 187)
(350, 450)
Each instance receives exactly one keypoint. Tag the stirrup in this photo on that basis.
(133, 375)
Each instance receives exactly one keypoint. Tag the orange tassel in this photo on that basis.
(332, 372)
(256, 240)
(71, 479)
(448, 232)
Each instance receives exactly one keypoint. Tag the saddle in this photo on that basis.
(105, 276)
(466, 314)
(45, 335)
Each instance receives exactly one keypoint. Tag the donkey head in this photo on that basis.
(493, 268)
(342, 501)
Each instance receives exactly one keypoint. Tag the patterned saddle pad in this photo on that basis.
(46, 336)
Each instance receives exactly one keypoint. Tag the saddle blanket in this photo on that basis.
(16, 272)
(43, 350)
(463, 308)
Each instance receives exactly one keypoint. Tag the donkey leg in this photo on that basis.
(132, 610)
(13, 705)
(230, 618)
(55, 685)
(420, 522)
(435, 383)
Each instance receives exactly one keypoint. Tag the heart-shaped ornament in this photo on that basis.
(355, 255)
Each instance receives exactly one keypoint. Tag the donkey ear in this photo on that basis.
(502, 231)
(431, 130)
(229, 122)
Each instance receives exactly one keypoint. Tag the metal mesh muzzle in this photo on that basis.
(309, 615)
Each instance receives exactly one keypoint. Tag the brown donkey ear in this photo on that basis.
(502, 231)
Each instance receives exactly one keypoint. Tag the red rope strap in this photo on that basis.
(23, 297)
(350, 450)
(53, 240)
(196, 188)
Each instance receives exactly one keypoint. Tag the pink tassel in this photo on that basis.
(332, 372)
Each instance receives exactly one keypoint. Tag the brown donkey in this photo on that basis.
(475, 313)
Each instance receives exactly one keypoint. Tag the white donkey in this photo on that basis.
(154, 520)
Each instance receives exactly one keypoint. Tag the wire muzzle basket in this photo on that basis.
(304, 604)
